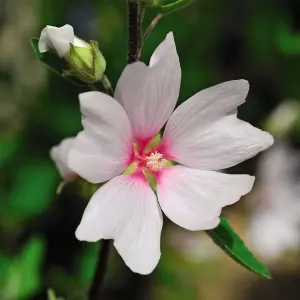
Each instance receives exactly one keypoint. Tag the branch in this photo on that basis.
(107, 86)
(147, 33)
(135, 17)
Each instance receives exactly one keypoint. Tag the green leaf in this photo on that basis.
(288, 42)
(20, 275)
(33, 191)
(152, 3)
(174, 6)
(29, 267)
(9, 144)
(226, 238)
(87, 263)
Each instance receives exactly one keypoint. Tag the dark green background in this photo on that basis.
(217, 41)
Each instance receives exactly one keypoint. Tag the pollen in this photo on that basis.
(155, 161)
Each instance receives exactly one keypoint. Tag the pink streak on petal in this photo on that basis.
(142, 143)
(138, 176)
(165, 149)
(131, 157)
(159, 176)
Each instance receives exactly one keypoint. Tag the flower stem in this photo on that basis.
(92, 87)
(107, 86)
(147, 33)
(135, 17)
(96, 287)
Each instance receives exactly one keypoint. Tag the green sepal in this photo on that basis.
(49, 59)
(154, 143)
(87, 64)
(228, 240)
(53, 63)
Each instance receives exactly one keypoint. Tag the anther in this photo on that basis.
(155, 161)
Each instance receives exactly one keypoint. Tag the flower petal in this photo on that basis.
(80, 43)
(193, 199)
(57, 38)
(104, 148)
(149, 94)
(205, 133)
(59, 155)
(126, 210)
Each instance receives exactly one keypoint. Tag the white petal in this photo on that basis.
(193, 199)
(57, 38)
(126, 210)
(79, 43)
(149, 94)
(104, 148)
(59, 154)
(205, 133)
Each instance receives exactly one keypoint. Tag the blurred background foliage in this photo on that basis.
(217, 41)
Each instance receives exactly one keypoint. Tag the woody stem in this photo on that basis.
(135, 18)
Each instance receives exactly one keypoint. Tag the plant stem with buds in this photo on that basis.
(135, 17)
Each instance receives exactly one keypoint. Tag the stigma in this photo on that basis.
(155, 161)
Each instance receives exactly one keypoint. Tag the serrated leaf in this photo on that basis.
(229, 241)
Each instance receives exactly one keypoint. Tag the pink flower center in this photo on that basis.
(152, 161)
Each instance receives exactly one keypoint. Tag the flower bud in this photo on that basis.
(87, 64)
(58, 39)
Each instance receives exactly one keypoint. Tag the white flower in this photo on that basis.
(274, 224)
(59, 155)
(59, 39)
(203, 135)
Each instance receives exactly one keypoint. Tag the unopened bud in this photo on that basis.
(86, 63)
